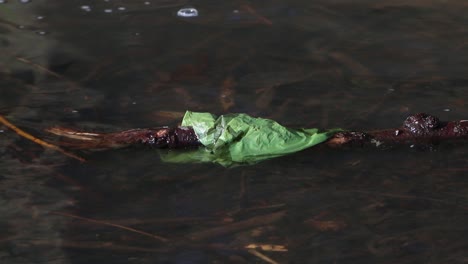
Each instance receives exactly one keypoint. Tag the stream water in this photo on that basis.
(114, 65)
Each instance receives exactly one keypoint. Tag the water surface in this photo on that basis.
(114, 65)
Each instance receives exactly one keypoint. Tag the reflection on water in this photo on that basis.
(112, 65)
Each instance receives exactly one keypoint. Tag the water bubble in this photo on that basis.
(42, 33)
(86, 8)
(187, 12)
(121, 8)
(25, 1)
(3, 1)
(40, 17)
(147, 3)
(447, 110)
(108, 10)
(21, 27)
(1, 130)
(137, 33)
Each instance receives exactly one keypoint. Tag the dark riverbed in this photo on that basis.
(114, 65)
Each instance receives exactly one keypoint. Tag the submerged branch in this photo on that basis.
(418, 128)
(178, 137)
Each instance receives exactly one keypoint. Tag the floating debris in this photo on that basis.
(187, 12)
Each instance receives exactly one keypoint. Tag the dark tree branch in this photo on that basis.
(418, 128)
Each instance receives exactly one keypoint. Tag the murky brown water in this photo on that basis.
(113, 65)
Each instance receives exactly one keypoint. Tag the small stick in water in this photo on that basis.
(28, 136)
(418, 128)
(178, 137)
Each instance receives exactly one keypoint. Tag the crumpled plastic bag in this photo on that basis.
(235, 139)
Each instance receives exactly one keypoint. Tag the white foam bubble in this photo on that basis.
(187, 12)
(86, 8)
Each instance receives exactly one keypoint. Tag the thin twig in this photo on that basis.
(267, 247)
(93, 245)
(26, 135)
(262, 256)
(160, 238)
(40, 67)
(238, 226)
(48, 71)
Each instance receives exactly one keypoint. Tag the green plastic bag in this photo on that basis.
(241, 139)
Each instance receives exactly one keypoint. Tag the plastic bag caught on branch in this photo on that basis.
(241, 139)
